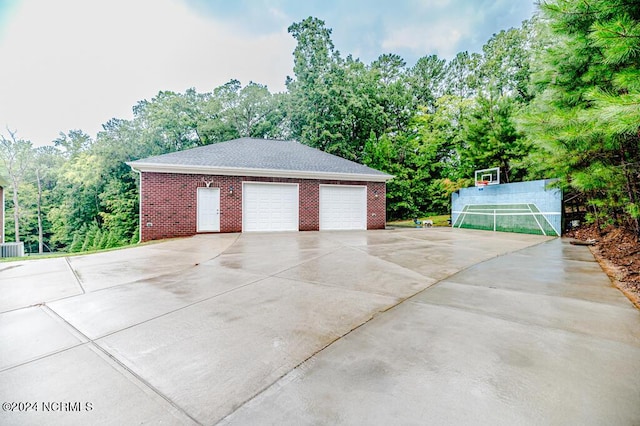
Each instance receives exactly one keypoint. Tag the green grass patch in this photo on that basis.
(438, 220)
(34, 256)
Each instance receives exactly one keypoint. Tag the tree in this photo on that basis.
(251, 111)
(461, 76)
(504, 67)
(426, 80)
(393, 93)
(79, 184)
(492, 139)
(396, 155)
(335, 104)
(172, 119)
(331, 102)
(313, 108)
(429, 125)
(585, 114)
(15, 155)
(441, 148)
(47, 160)
(73, 143)
(502, 75)
(314, 54)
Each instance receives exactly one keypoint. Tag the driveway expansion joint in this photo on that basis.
(281, 353)
(114, 359)
(75, 274)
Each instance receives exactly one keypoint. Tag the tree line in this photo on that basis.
(557, 97)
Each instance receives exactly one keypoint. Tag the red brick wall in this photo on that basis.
(376, 205)
(169, 203)
(309, 205)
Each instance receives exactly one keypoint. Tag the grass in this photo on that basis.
(33, 256)
(438, 220)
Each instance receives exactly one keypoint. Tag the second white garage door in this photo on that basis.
(343, 207)
(269, 207)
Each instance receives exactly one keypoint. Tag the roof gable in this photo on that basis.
(259, 157)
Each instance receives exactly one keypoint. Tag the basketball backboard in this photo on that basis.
(485, 177)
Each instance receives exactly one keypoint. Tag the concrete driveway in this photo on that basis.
(433, 326)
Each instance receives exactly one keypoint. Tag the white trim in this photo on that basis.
(297, 207)
(495, 214)
(482, 176)
(498, 204)
(349, 186)
(490, 213)
(534, 216)
(237, 171)
(139, 206)
(366, 204)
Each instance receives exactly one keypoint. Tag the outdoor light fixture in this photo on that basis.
(375, 193)
(231, 190)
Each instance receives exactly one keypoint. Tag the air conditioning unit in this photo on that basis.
(12, 249)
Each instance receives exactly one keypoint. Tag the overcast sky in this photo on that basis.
(74, 64)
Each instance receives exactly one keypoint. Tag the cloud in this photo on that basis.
(440, 38)
(75, 64)
(69, 64)
(446, 27)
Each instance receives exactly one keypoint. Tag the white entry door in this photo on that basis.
(208, 209)
(343, 207)
(269, 207)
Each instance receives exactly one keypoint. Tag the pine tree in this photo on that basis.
(586, 113)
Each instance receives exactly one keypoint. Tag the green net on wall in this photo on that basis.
(522, 218)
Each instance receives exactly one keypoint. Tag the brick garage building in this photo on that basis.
(249, 184)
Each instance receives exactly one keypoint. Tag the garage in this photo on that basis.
(343, 207)
(269, 207)
(256, 185)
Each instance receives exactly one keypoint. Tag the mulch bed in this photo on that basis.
(618, 251)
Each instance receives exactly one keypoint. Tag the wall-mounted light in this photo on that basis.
(375, 193)
(231, 190)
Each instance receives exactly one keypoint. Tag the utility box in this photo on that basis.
(12, 249)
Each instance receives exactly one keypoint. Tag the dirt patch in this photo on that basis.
(618, 251)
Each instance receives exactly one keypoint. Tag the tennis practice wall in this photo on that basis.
(547, 200)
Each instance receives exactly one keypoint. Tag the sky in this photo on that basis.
(75, 64)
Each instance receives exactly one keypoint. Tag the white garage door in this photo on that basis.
(269, 207)
(343, 207)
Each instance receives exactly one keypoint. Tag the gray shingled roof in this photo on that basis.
(259, 154)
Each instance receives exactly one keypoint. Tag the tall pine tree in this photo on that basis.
(586, 112)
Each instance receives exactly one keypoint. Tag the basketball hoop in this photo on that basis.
(486, 177)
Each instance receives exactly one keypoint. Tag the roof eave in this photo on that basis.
(237, 171)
